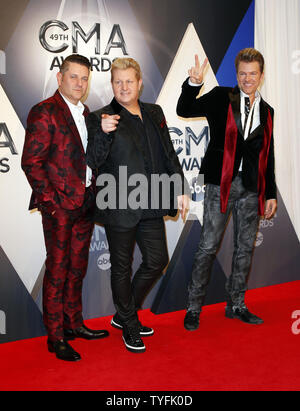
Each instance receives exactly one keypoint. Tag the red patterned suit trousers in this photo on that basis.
(67, 238)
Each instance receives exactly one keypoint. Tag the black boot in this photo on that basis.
(191, 320)
(242, 313)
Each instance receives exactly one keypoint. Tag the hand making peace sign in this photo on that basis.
(196, 72)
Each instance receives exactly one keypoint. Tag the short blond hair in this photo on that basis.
(126, 63)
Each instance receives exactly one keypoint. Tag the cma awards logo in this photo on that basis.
(55, 36)
(190, 162)
(6, 142)
(99, 244)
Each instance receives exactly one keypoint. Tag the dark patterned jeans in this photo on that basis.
(244, 207)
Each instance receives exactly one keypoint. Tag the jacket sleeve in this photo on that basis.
(271, 188)
(37, 146)
(98, 142)
(189, 105)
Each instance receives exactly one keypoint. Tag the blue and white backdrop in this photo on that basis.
(163, 36)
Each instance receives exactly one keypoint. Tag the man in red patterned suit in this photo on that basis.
(54, 162)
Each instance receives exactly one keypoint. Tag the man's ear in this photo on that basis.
(141, 85)
(59, 78)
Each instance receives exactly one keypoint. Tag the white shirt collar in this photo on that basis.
(257, 95)
(79, 106)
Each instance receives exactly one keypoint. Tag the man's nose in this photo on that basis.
(124, 86)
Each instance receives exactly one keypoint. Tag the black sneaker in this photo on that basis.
(144, 331)
(132, 340)
(191, 320)
(242, 313)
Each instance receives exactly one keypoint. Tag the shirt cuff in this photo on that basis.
(195, 85)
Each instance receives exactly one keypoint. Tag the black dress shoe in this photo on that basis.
(63, 351)
(116, 322)
(243, 314)
(191, 320)
(85, 333)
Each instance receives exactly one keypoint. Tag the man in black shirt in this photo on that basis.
(130, 147)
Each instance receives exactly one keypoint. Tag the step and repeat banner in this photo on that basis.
(163, 38)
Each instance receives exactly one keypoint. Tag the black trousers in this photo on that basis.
(128, 295)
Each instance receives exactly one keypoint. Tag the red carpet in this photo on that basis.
(222, 355)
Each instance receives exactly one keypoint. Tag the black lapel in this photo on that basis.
(235, 100)
(86, 111)
(263, 110)
(116, 106)
(153, 114)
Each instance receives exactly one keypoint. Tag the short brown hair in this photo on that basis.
(249, 55)
(74, 58)
(126, 63)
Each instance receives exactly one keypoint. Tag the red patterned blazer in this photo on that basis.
(53, 157)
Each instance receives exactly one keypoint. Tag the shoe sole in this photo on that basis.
(120, 327)
(116, 325)
(191, 328)
(134, 349)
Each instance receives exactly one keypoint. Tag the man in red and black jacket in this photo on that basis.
(238, 169)
(63, 190)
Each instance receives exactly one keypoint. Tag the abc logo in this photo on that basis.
(197, 190)
(103, 262)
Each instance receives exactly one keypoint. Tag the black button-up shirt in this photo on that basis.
(154, 158)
